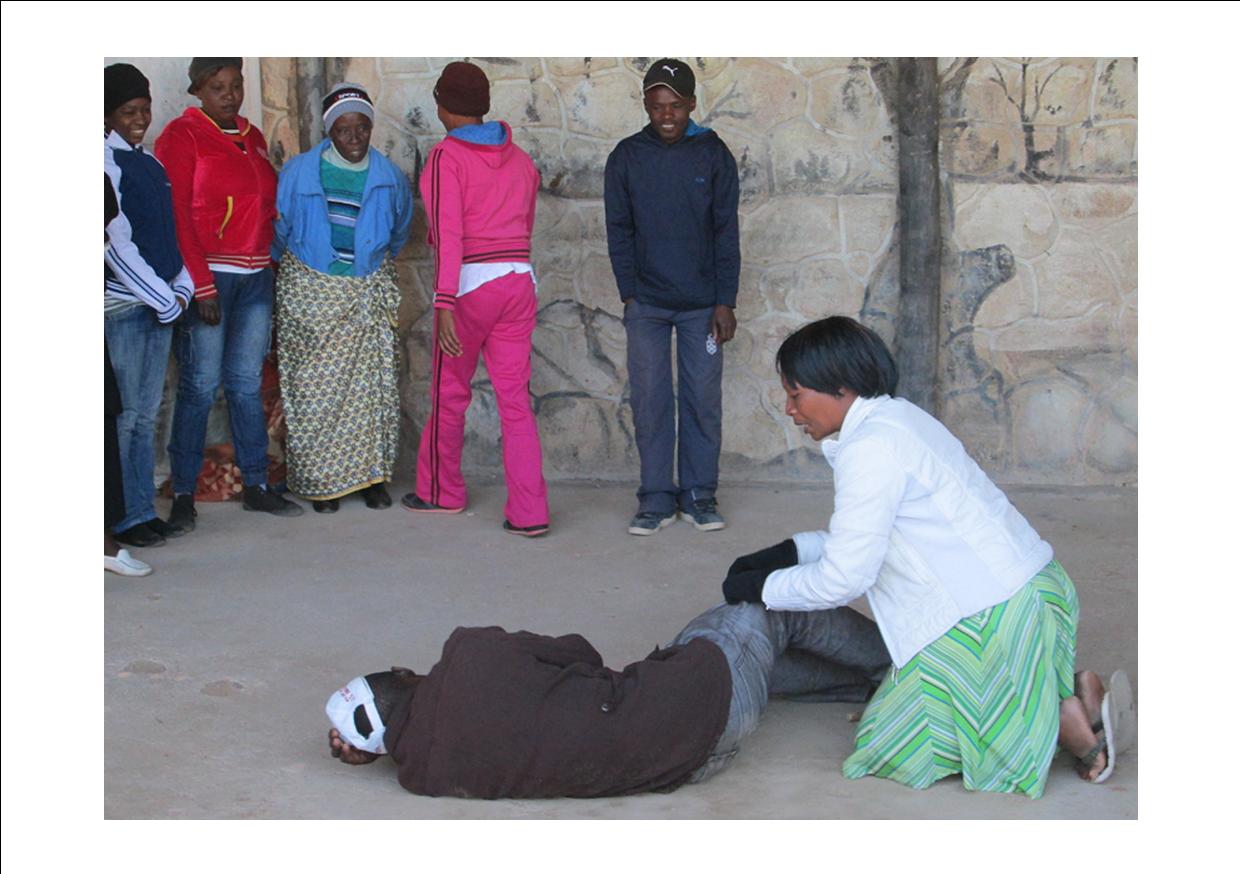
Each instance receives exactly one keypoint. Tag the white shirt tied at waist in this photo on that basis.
(917, 527)
(475, 275)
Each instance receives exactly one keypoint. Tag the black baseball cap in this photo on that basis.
(673, 74)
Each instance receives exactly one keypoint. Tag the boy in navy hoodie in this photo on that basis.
(671, 194)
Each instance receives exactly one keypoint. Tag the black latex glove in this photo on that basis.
(781, 555)
(745, 586)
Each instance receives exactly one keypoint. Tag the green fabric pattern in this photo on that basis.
(982, 700)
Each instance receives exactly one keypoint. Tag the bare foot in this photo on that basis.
(1076, 735)
(1090, 690)
(342, 750)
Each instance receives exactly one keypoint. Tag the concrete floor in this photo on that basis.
(217, 666)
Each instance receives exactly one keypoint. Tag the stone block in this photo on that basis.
(554, 287)
(774, 286)
(506, 69)
(574, 67)
(1092, 205)
(703, 68)
(1109, 150)
(869, 222)
(409, 104)
(406, 66)
(846, 101)
(282, 141)
(1072, 280)
(1118, 247)
(1047, 418)
(277, 74)
(1017, 215)
(1011, 302)
(825, 288)
(791, 228)
(1126, 328)
(984, 96)
(1065, 86)
(596, 285)
(752, 426)
(1110, 448)
(556, 244)
(584, 162)
(983, 149)
(860, 266)
(752, 156)
(365, 72)
(608, 106)
(414, 297)
(577, 351)
(1115, 95)
(585, 434)
(764, 335)
(1092, 331)
(805, 160)
(814, 66)
(545, 147)
(593, 222)
(751, 300)
(524, 104)
(755, 93)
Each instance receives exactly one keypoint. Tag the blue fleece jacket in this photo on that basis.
(382, 225)
(672, 227)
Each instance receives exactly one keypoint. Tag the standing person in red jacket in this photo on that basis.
(224, 199)
(480, 192)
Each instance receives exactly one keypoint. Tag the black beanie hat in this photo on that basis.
(463, 89)
(122, 83)
(200, 68)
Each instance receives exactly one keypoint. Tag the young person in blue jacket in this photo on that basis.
(344, 215)
(671, 193)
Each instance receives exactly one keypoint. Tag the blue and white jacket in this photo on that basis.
(302, 225)
(142, 264)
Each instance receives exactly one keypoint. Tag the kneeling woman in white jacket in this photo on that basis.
(979, 618)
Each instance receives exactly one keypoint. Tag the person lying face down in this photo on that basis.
(521, 715)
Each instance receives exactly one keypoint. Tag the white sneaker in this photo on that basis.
(126, 565)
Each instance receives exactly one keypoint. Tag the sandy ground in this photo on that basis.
(217, 665)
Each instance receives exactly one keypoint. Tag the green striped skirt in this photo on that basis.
(982, 701)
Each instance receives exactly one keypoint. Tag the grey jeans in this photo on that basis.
(823, 655)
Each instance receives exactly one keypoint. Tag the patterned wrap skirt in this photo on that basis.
(338, 362)
(982, 701)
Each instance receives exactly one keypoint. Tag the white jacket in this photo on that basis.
(918, 528)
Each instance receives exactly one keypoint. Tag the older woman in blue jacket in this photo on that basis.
(344, 215)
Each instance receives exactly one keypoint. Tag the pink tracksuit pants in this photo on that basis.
(497, 320)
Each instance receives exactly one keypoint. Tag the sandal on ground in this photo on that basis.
(1118, 728)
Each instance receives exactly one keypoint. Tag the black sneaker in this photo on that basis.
(649, 522)
(705, 515)
(164, 529)
(331, 505)
(376, 497)
(263, 500)
(183, 513)
(140, 535)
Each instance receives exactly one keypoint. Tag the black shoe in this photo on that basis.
(376, 497)
(528, 531)
(140, 535)
(262, 500)
(164, 529)
(331, 505)
(183, 513)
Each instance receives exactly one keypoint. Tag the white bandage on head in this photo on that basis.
(341, 709)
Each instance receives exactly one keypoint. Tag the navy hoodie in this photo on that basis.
(672, 227)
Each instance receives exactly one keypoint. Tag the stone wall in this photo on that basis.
(1037, 367)
(1040, 274)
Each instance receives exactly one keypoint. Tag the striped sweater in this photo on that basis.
(480, 201)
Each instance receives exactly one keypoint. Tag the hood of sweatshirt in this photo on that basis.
(491, 142)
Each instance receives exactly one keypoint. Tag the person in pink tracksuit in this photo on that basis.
(480, 192)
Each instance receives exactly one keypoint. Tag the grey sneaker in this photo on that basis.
(704, 515)
(650, 522)
(263, 500)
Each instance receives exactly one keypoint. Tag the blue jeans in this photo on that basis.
(139, 346)
(823, 655)
(230, 353)
(695, 410)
